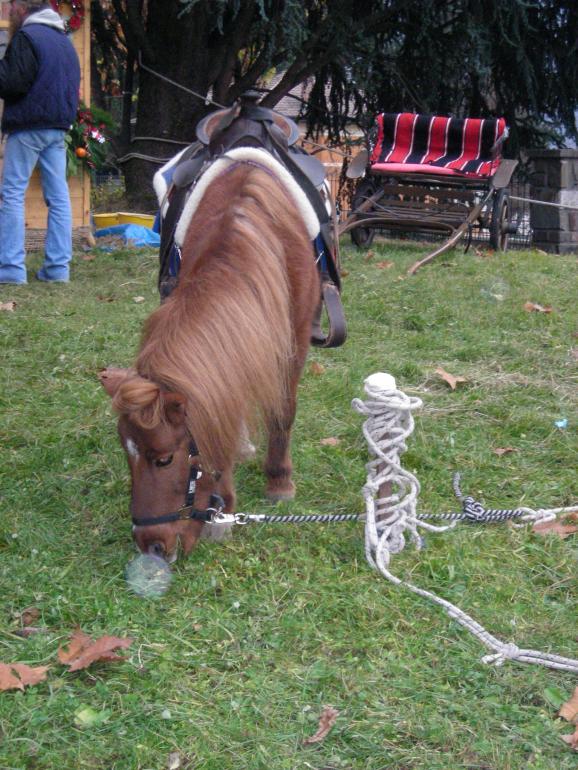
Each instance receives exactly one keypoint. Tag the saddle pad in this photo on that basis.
(432, 144)
(250, 155)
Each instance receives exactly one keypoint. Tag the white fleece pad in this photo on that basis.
(160, 182)
(259, 158)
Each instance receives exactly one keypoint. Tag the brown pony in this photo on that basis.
(225, 350)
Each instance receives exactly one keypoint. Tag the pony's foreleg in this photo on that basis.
(226, 488)
(278, 465)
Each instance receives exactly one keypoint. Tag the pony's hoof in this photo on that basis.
(281, 495)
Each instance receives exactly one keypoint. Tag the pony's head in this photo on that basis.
(161, 454)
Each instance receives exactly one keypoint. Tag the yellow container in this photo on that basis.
(104, 220)
(146, 220)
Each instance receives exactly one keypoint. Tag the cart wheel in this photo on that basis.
(500, 222)
(362, 236)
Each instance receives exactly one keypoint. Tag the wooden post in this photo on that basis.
(382, 381)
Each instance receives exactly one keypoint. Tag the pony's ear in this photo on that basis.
(111, 378)
(174, 404)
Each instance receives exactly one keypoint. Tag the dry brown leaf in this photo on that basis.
(83, 651)
(503, 450)
(452, 380)
(138, 300)
(569, 710)
(571, 740)
(385, 264)
(17, 676)
(556, 527)
(8, 306)
(344, 273)
(26, 631)
(331, 441)
(326, 722)
(533, 307)
(369, 256)
(316, 368)
(28, 616)
(88, 257)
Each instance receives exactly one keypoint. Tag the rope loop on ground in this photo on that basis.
(391, 494)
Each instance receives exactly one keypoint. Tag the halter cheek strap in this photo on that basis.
(188, 512)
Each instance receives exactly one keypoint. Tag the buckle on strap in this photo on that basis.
(186, 513)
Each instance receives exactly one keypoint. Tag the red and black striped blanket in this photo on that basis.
(431, 144)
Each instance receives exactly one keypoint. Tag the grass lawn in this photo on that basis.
(231, 668)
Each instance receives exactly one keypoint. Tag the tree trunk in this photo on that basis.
(164, 110)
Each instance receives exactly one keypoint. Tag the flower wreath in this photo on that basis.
(74, 22)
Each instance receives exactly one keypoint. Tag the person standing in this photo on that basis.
(39, 82)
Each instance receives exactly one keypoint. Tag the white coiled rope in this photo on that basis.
(392, 517)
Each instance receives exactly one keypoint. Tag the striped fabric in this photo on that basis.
(431, 144)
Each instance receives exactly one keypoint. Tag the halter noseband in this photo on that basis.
(188, 512)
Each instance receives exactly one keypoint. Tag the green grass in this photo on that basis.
(232, 667)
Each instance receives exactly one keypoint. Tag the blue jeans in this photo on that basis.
(24, 149)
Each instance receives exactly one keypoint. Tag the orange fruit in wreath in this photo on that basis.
(81, 152)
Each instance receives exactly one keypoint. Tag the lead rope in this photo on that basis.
(389, 519)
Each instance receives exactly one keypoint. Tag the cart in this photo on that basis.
(432, 174)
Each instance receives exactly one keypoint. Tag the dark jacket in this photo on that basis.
(39, 80)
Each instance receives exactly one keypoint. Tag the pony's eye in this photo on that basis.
(162, 462)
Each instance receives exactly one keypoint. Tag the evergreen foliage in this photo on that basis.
(516, 58)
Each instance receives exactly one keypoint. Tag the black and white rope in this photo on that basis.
(389, 423)
(301, 518)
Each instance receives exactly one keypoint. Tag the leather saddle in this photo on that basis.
(246, 124)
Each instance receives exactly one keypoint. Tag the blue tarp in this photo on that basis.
(132, 235)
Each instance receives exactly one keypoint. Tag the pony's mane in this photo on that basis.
(224, 337)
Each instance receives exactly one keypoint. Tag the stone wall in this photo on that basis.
(555, 180)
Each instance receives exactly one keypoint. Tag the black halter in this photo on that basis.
(188, 511)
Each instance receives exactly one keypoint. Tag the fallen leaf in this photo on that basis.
(326, 722)
(451, 379)
(571, 740)
(503, 450)
(8, 306)
(83, 651)
(574, 353)
(316, 368)
(369, 256)
(138, 299)
(102, 298)
(27, 631)
(344, 273)
(331, 441)
(88, 257)
(87, 717)
(556, 527)
(555, 697)
(174, 761)
(385, 264)
(28, 616)
(17, 676)
(569, 710)
(533, 307)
